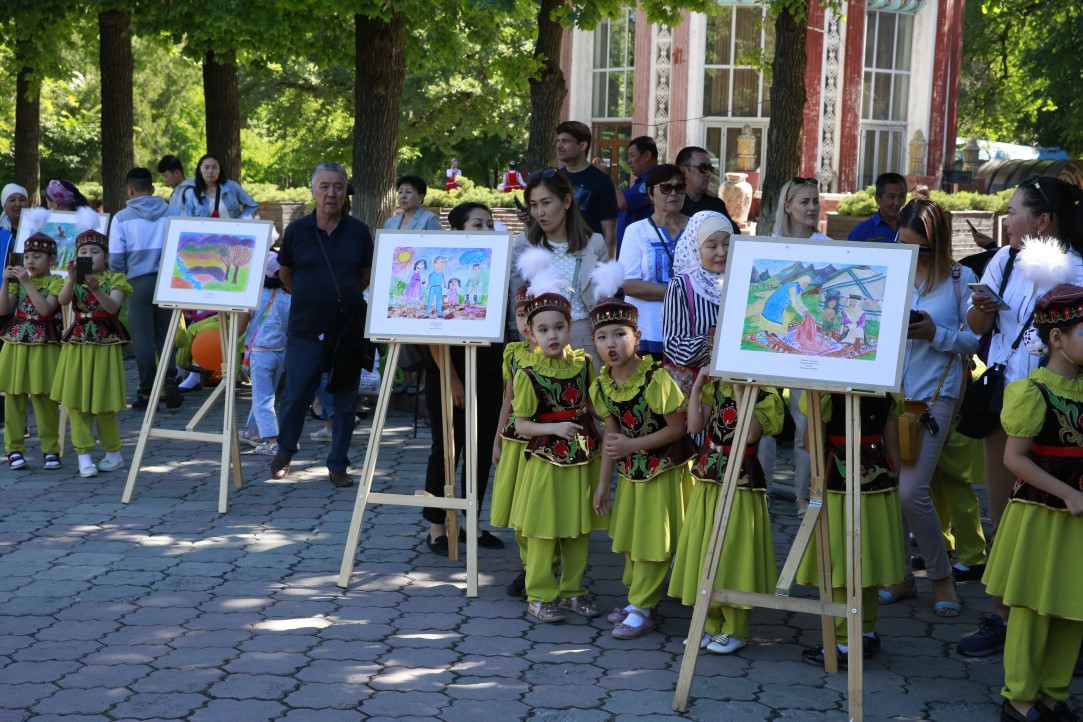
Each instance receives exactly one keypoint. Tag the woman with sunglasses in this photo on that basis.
(558, 226)
(932, 374)
(647, 252)
(797, 216)
(1042, 206)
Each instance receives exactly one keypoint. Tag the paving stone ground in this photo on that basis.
(163, 609)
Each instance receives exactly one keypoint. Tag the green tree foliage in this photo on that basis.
(1021, 80)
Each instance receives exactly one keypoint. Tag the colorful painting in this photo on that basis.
(213, 263)
(61, 228)
(814, 309)
(448, 283)
(824, 315)
(439, 286)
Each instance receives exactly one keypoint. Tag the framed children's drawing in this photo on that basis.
(61, 227)
(439, 286)
(213, 263)
(825, 315)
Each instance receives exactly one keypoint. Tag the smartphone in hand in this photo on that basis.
(988, 292)
(84, 266)
(915, 316)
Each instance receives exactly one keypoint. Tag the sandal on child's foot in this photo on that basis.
(703, 641)
(545, 612)
(87, 471)
(16, 460)
(627, 631)
(618, 614)
(581, 606)
(52, 461)
(107, 464)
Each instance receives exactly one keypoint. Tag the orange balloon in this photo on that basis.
(207, 350)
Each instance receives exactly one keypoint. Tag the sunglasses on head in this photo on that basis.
(671, 189)
(798, 180)
(547, 173)
(705, 169)
(1034, 183)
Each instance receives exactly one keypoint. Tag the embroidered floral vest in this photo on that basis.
(563, 400)
(27, 325)
(877, 473)
(710, 463)
(91, 324)
(636, 420)
(1057, 449)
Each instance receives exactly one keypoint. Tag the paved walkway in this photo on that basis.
(164, 609)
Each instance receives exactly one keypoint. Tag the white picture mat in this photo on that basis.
(246, 298)
(59, 217)
(882, 374)
(380, 326)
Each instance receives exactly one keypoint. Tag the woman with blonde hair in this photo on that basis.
(798, 211)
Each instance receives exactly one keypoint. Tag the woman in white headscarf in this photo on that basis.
(690, 309)
(13, 199)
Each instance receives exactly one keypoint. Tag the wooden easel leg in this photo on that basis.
(746, 403)
(152, 407)
(379, 419)
(228, 333)
(818, 501)
(448, 407)
(470, 453)
(63, 429)
(853, 557)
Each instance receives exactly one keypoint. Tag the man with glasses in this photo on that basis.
(883, 227)
(595, 194)
(696, 166)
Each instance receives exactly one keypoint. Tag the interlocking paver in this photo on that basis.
(164, 609)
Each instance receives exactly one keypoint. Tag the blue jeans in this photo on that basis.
(266, 371)
(303, 375)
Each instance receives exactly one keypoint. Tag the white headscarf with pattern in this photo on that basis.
(686, 258)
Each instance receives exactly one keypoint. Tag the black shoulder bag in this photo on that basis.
(345, 349)
(980, 411)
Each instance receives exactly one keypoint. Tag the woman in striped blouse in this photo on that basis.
(690, 309)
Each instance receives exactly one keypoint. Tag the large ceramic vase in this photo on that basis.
(736, 193)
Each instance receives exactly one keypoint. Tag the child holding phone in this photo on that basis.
(89, 380)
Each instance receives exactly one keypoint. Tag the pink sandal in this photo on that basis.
(624, 631)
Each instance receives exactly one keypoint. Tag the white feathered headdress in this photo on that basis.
(608, 277)
(34, 219)
(1045, 262)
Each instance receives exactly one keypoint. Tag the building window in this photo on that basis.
(614, 60)
(885, 94)
(732, 85)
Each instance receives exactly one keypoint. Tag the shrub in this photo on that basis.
(469, 192)
(863, 202)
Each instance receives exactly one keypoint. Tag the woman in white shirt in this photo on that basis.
(932, 373)
(646, 254)
(559, 227)
(1040, 207)
(797, 216)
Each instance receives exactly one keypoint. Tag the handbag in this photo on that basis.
(685, 376)
(979, 413)
(915, 419)
(345, 350)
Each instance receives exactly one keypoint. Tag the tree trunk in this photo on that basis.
(223, 111)
(380, 55)
(547, 90)
(27, 124)
(115, 60)
(787, 113)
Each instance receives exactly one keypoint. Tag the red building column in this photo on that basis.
(677, 133)
(641, 79)
(814, 55)
(850, 102)
(943, 111)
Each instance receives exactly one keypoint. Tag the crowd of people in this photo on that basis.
(614, 301)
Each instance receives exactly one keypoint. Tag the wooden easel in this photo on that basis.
(814, 522)
(229, 334)
(450, 502)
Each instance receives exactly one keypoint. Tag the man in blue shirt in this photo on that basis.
(883, 227)
(634, 203)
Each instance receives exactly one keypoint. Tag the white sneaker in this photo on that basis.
(106, 465)
(88, 471)
(267, 448)
(323, 434)
(703, 642)
(724, 644)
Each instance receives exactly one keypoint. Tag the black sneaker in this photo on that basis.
(973, 574)
(870, 646)
(142, 401)
(816, 657)
(989, 639)
(917, 563)
(517, 586)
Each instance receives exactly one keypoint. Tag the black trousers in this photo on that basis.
(490, 393)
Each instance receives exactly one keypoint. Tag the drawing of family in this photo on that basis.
(447, 283)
